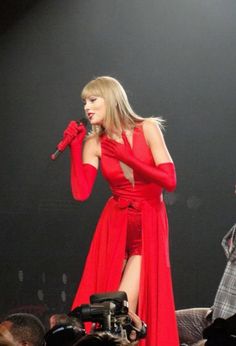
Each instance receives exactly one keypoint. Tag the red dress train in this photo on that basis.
(104, 263)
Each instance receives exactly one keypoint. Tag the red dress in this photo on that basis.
(104, 263)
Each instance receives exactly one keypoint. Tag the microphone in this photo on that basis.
(62, 145)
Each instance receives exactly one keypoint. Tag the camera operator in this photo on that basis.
(57, 319)
(65, 330)
(109, 320)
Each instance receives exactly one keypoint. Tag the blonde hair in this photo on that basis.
(119, 113)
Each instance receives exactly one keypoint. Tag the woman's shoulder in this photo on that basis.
(152, 129)
(92, 140)
(152, 124)
(92, 145)
(92, 137)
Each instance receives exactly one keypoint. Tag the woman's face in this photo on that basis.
(95, 109)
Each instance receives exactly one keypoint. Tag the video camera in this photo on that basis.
(108, 312)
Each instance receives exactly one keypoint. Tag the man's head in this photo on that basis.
(26, 329)
(64, 330)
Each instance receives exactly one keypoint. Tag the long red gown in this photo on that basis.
(104, 263)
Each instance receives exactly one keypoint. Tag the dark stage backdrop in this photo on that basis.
(175, 59)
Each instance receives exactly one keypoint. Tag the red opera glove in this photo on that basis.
(163, 174)
(75, 130)
(119, 151)
(82, 175)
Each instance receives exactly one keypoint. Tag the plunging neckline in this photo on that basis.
(127, 171)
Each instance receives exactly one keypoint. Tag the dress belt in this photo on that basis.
(136, 204)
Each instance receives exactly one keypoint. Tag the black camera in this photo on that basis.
(63, 334)
(107, 312)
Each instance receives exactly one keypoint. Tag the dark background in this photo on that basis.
(175, 59)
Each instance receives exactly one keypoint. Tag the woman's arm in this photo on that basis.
(84, 161)
(156, 142)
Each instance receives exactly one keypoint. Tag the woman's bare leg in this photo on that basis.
(130, 280)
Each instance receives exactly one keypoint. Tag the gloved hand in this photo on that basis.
(163, 174)
(75, 132)
(82, 175)
(122, 152)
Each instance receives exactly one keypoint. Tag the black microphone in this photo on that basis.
(62, 145)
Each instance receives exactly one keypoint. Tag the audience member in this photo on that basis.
(65, 319)
(64, 330)
(24, 329)
(192, 322)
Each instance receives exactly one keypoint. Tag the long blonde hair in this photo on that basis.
(119, 113)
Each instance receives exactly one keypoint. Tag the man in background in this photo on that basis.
(25, 329)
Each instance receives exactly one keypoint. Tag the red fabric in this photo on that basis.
(74, 132)
(83, 175)
(134, 233)
(163, 174)
(82, 179)
(103, 268)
